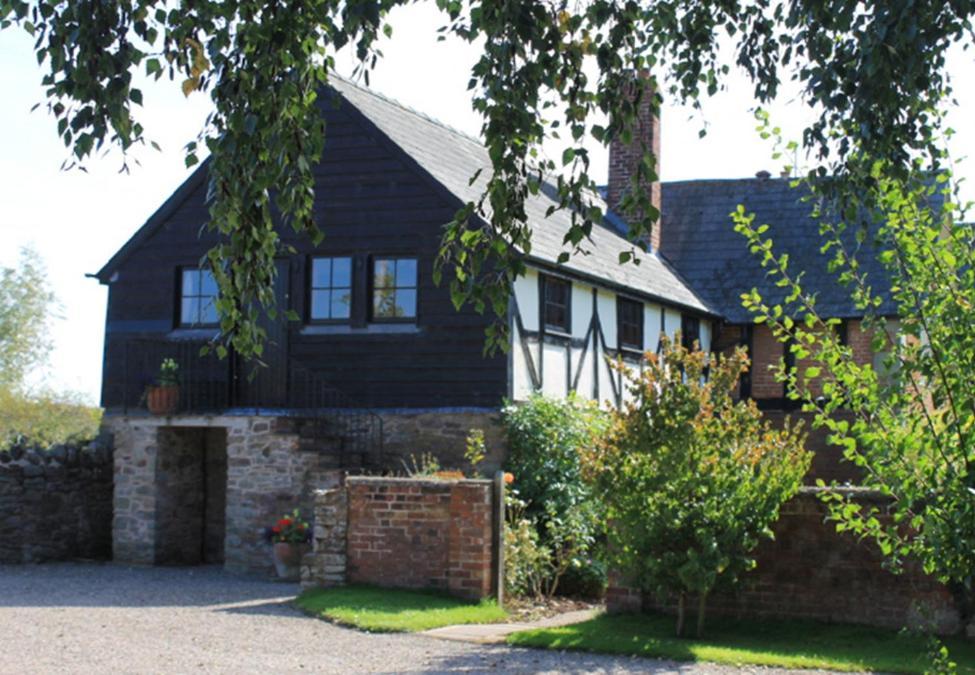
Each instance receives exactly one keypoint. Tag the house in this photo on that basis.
(381, 365)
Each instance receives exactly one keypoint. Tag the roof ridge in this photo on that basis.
(741, 179)
(407, 108)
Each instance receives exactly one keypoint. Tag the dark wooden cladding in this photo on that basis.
(371, 200)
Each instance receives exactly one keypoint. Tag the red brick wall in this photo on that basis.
(412, 533)
(623, 158)
(810, 571)
(766, 353)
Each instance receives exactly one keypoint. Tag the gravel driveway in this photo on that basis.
(100, 618)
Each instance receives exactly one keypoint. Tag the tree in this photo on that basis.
(692, 480)
(26, 302)
(914, 406)
(875, 70)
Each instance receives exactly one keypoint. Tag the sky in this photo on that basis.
(77, 220)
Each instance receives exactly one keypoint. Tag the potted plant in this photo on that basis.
(163, 397)
(289, 537)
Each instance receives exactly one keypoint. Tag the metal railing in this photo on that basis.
(211, 385)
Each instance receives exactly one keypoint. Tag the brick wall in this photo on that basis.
(809, 571)
(765, 355)
(405, 533)
(624, 158)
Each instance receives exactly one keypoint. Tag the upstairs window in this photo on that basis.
(331, 289)
(198, 292)
(690, 331)
(556, 296)
(629, 323)
(394, 289)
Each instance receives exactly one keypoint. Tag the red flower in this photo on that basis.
(276, 529)
(284, 522)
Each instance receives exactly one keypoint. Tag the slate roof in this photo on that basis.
(452, 157)
(714, 259)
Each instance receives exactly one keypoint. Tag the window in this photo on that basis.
(690, 331)
(556, 295)
(629, 323)
(394, 288)
(198, 290)
(331, 289)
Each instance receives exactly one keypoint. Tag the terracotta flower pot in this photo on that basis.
(287, 560)
(163, 400)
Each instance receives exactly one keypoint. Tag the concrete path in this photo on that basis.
(495, 633)
(104, 618)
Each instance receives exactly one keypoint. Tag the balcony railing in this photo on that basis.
(211, 385)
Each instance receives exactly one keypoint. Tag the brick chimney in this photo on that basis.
(624, 158)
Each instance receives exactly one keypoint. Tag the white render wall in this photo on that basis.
(580, 363)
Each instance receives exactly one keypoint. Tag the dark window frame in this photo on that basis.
(622, 301)
(180, 296)
(310, 288)
(371, 290)
(543, 301)
(687, 320)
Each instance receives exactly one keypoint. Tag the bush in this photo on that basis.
(545, 437)
(691, 479)
(46, 419)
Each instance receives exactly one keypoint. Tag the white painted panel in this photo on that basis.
(606, 306)
(526, 293)
(705, 336)
(624, 382)
(607, 378)
(554, 370)
(581, 309)
(584, 385)
(671, 322)
(521, 378)
(651, 326)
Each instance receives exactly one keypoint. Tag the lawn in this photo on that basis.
(788, 644)
(387, 610)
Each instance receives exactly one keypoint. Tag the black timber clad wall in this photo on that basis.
(370, 200)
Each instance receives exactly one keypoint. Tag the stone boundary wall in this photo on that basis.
(405, 533)
(56, 503)
(810, 571)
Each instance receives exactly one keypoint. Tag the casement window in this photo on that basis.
(556, 297)
(629, 323)
(690, 331)
(394, 288)
(331, 289)
(198, 292)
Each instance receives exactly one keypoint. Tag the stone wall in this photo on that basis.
(269, 471)
(809, 571)
(441, 432)
(55, 503)
(406, 533)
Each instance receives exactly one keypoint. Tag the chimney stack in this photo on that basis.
(624, 158)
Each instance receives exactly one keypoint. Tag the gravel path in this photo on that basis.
(100, 618)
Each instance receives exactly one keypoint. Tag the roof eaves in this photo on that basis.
(156, 220)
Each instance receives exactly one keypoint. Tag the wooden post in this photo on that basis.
(497, 536)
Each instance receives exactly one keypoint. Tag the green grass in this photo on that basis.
(788, 644)
(395, 610)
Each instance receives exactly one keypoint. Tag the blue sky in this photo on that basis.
(78, 220)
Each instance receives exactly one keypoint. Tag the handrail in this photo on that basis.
(209, 385)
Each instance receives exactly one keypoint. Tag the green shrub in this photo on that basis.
(527, 562)
(545, 437)
(692, 480)
(46, 419)
(586, 577)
